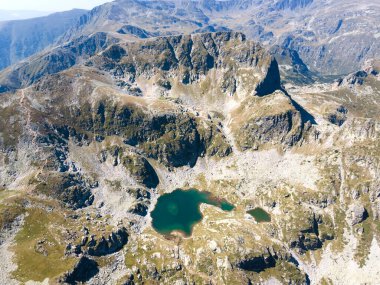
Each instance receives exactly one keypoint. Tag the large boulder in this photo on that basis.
(356, 214)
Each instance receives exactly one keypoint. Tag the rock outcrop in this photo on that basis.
(338, 117)
(71, 189)
(356, 214)
(83, 271)
(357, 78)
(191, 57)
(135, 164)
(99, 246)
(274, 120)
(104, 246)
(257, 263)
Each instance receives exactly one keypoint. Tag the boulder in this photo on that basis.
(356, 214)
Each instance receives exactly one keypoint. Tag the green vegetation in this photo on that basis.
(364, 241)
(39, 250)
(10, 126)
(259, 215)
(10, 209)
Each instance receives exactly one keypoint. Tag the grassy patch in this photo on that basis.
(10, 126)
(10, 209)
(39, 250)
(364, 242)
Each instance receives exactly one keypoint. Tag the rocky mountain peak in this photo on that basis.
(187, 59)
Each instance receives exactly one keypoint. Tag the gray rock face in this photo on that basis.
(136, 31)
(136, 165)
(104, 246)
(338, 117)
(363, 128)
(189, 58)
(281, 123)
(357, 214)
(69, 188)
(196, 55)
(271, 82)
(292, 4)
(99, 246)
(83, 271)
(357, 78)
(272, 128)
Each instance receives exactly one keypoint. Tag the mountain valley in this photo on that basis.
(251, 102)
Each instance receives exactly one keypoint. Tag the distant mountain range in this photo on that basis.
(23, 38)
(328, 38)
(317, 30)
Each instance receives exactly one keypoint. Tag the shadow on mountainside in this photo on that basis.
(305, 115)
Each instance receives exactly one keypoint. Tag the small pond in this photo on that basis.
(179, 210)
(259, 215)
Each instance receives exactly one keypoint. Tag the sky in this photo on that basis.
(49, 5)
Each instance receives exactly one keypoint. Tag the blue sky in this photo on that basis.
(49, 5)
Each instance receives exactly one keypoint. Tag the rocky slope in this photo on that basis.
(93, 131)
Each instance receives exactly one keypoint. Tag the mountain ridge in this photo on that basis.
(318, 46)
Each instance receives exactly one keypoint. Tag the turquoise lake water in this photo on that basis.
(179, 210)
